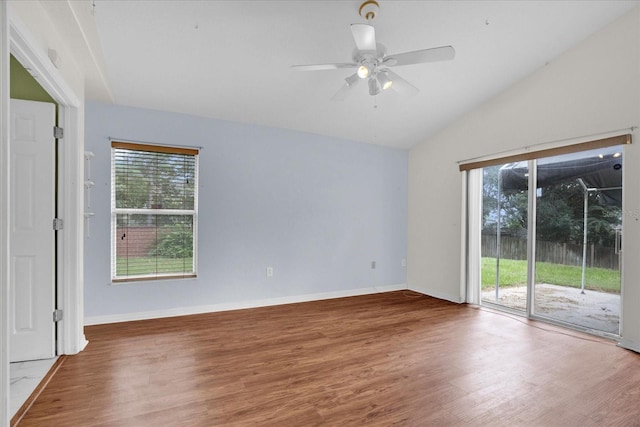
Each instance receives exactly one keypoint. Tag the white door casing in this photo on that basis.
(17, 37)
(32, 196)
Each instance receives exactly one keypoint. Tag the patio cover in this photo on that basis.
(599, 170)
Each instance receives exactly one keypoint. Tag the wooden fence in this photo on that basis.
(557, 253)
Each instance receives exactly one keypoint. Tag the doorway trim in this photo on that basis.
(16, 39)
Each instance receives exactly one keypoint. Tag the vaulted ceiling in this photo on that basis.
(231, 59)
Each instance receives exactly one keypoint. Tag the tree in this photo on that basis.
(513, 206)
(151, 180)
(559, 216)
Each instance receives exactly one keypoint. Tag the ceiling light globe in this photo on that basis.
(374, 89)
(363, 71)
(385, 81)
(352, 80)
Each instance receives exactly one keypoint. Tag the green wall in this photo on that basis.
(24, 86)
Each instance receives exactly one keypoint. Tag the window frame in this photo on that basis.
(549, 152)
(193, 213)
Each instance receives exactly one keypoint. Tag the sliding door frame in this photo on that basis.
(473, 268)
(532, 203)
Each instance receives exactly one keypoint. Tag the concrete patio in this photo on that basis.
(594, 310)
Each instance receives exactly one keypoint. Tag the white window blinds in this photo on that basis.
(154, 206)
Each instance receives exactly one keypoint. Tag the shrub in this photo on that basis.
(174, 244)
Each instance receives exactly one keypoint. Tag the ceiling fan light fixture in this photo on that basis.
(384, 80)
(364, 71)
(352, 79)
(374, 88)
(370, 60)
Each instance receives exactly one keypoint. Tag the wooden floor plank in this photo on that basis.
(397, 358)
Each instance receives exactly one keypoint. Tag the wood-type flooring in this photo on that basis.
(390, 359)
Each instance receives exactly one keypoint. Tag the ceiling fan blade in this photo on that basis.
(443, 53)
(345, 90)
(319, 67)
(401, 85)
(365, 37)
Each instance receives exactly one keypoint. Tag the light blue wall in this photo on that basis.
(317, 209)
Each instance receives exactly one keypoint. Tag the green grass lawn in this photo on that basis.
(153, 265)
(514, 273)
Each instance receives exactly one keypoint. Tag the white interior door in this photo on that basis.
(32, 199)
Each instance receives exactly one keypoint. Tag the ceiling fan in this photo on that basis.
(371, 62)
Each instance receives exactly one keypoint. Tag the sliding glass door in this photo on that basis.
(578, 231)
(503, 241)
(572, 236)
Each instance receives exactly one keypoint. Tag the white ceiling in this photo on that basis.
(230, 59)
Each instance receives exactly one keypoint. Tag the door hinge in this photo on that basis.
(58, 132)
(58, 224)
(57, 315)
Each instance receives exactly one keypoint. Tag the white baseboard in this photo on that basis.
(440, 295)
(183, 311)
(629, 345)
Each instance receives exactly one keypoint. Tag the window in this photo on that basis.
(154, 212)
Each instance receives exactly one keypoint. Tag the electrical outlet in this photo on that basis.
(403, 262)
(373, 264)
(269, 271)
